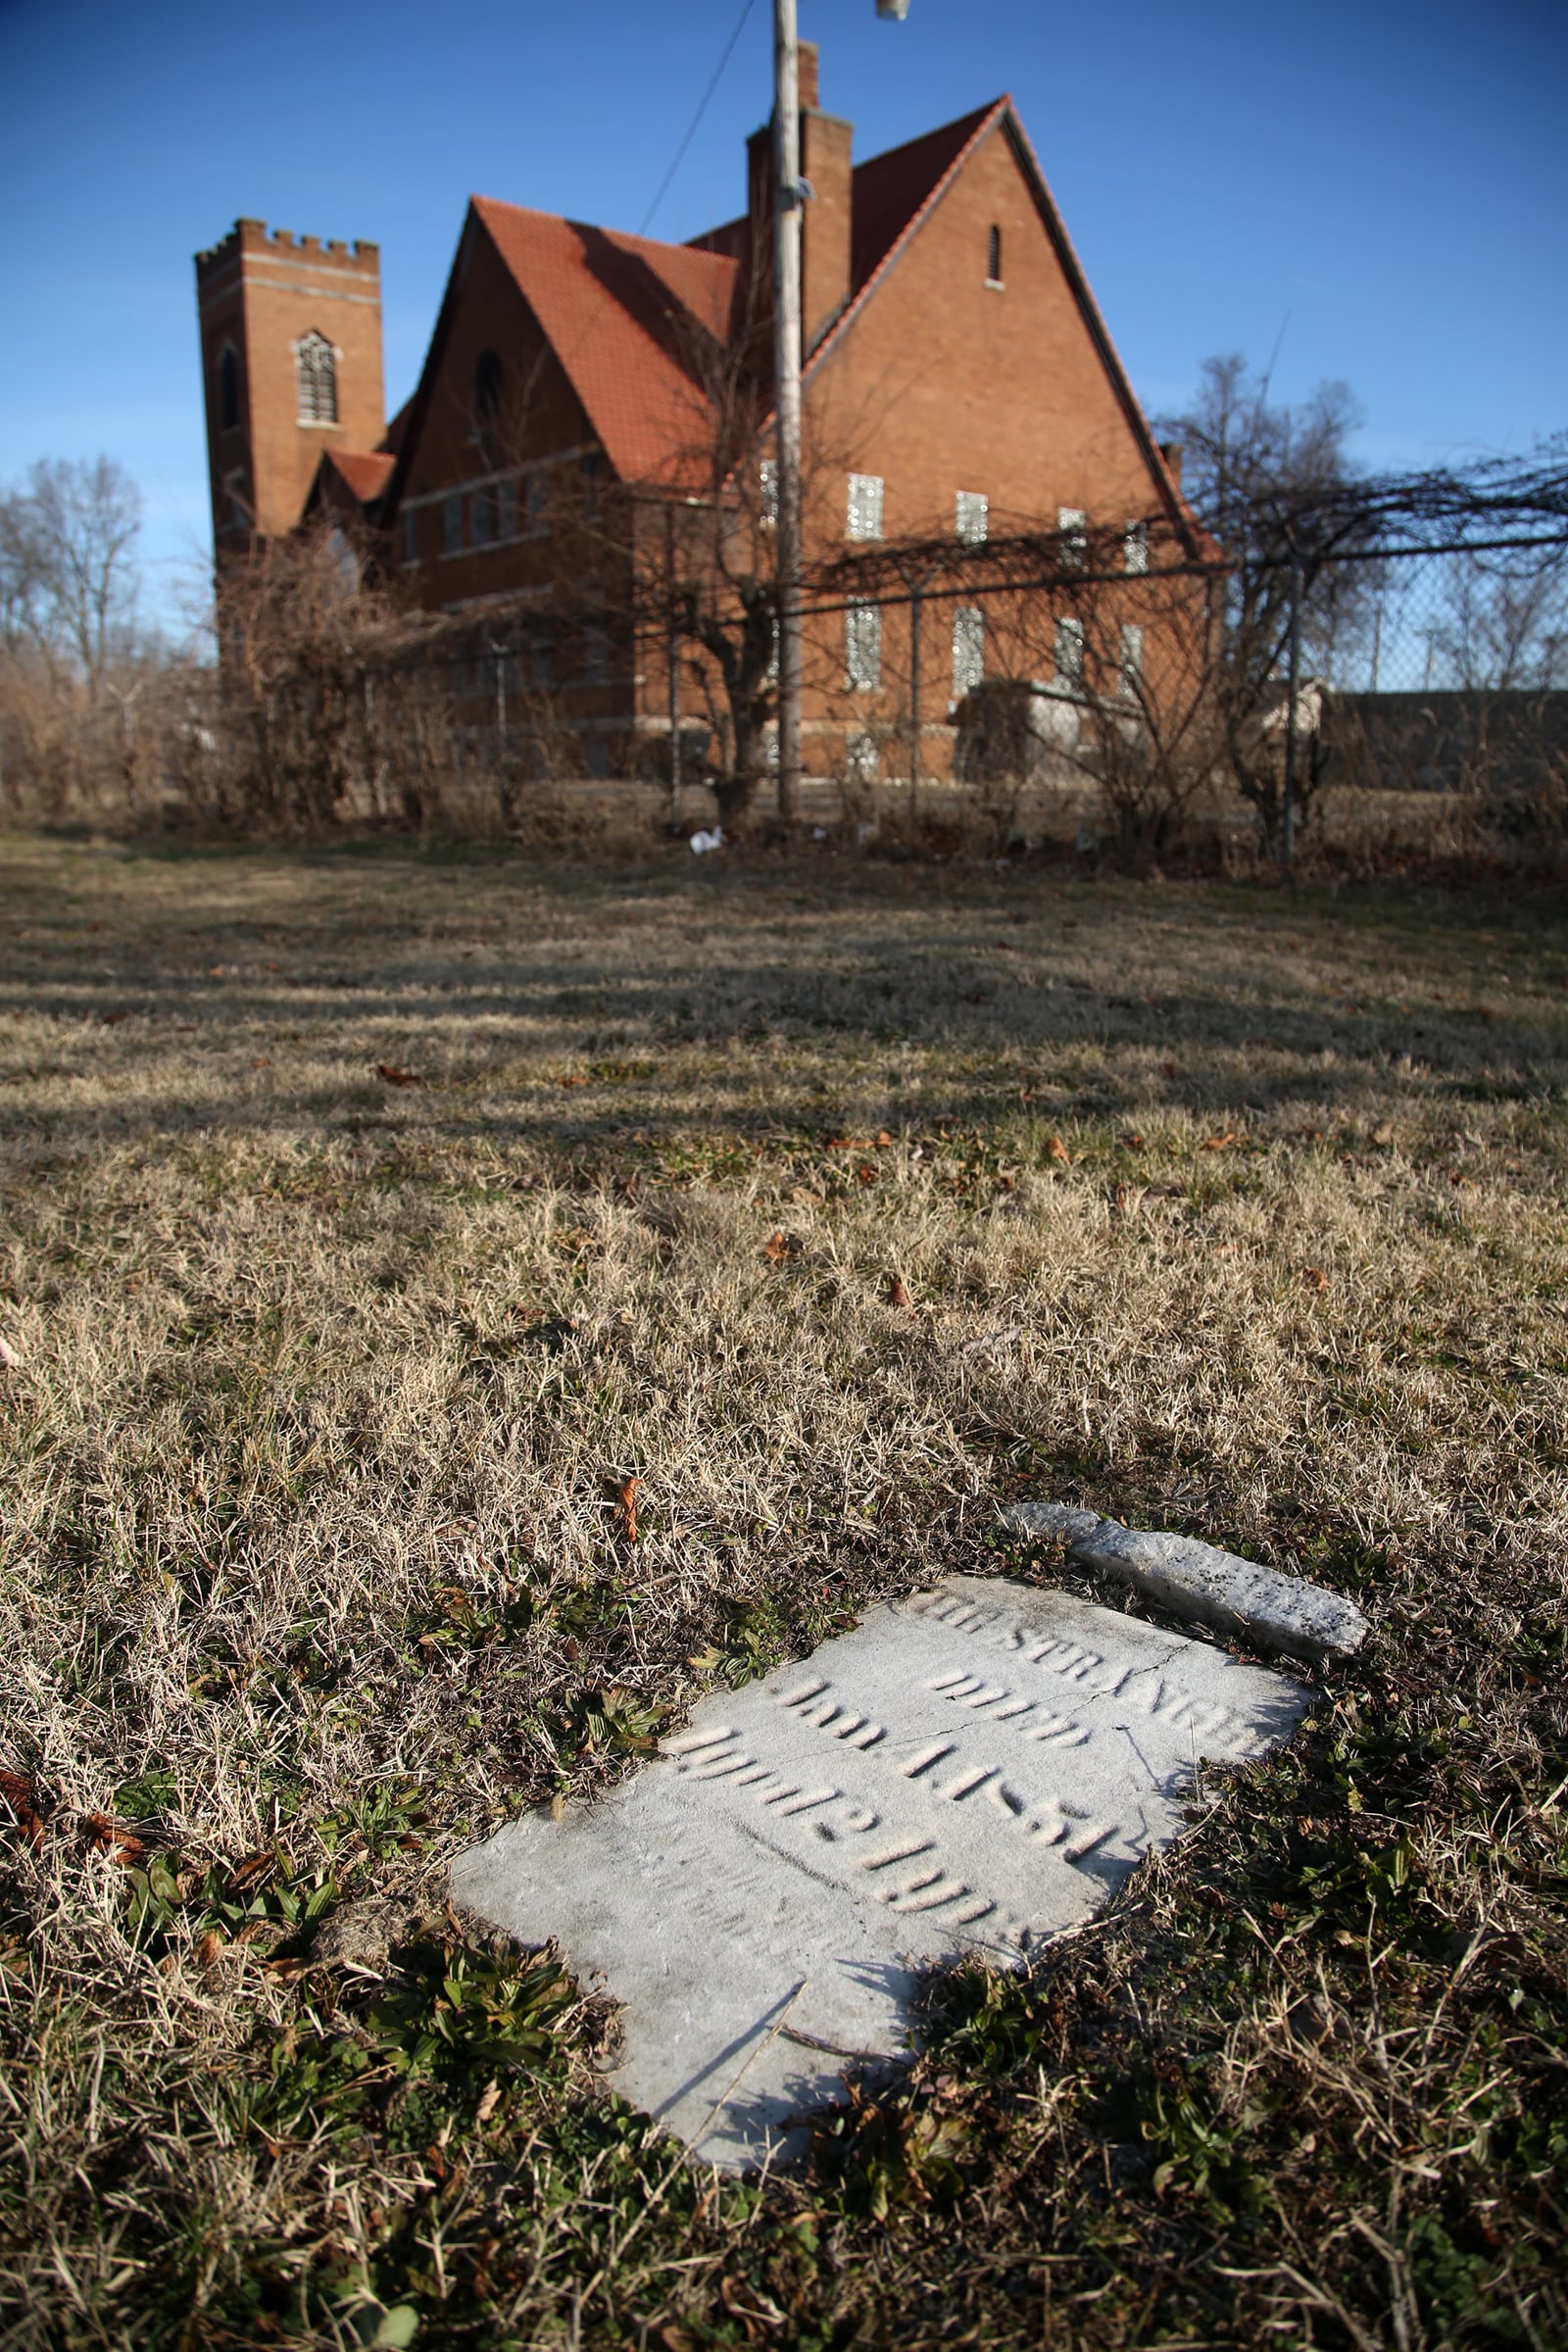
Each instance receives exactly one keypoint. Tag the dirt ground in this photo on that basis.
(369, 1220)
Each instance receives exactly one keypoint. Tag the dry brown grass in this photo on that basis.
(1213, 1208)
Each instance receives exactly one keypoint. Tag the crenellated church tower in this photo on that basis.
(291, 366)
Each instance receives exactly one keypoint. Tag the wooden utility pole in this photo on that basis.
(787, 201)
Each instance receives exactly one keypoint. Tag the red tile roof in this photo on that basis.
(365, 472)
(627, 317)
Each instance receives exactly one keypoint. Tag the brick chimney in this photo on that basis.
(825, 143)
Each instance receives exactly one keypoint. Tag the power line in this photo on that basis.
(692, 126)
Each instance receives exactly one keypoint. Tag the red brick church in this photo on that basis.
(959, 379)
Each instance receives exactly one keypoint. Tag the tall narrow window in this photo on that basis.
(595, 653)
(452, 526)
(994, 256)
(590, 487)
(973, 510)
(238, 512)
(536, 499)
(767, 492)
(968, 649)
(484, 518)
(862, 647)
(506, 509)
(866, 505)
(1070, 654)
(1132, 662)
(540, 661)
(315, 379)
(1135, 545)
(227, 390)
(1072, 537)
(489, 381)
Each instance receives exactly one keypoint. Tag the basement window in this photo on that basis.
(994, 256)
(315, 379)
(968, 649)
(973, 513)
(866, 505)
(862, 647)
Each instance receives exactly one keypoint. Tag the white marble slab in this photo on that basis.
(969, 1769)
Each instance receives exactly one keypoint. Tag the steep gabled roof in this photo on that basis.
(905, 187)
(628, 318)
(889, 190)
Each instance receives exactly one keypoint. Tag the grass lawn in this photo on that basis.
(369, 1220)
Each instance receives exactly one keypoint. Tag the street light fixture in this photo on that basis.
(789, 193)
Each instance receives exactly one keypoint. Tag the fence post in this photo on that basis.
(916, 603)
(1292, 695)
(672, 651)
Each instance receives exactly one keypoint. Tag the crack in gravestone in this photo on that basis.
(969, 1771)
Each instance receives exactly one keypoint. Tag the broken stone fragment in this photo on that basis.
(1192, 1579)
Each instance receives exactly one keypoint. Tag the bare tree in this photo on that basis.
(1265, 480)
(68, 584)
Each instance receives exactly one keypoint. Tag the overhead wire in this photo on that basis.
(693, 125)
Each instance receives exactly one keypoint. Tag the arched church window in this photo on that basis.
(315, 379)
(488, 381)
(227, 390)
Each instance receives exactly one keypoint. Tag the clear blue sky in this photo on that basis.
(1378, 190)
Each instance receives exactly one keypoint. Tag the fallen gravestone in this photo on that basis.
(1272, 1610)
(969, 1771)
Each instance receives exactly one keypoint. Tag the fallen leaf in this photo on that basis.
(864, 1174)
(1128, 1199)
(1056, 1149)
(1220, 1142)
(1134, 1143)
(20, 1795)
(883, 1139)
(106, 1836)
(112, 1021)
(248, 1869)
(489, 2101)
(1171, 1070)
(1382, 1134)
(898, 1292)
(1315, 1278)
(574, 1080)
(626, 1507)
(781, 1247)
(395, 1075)
(261, 1061)
(206, 1951)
